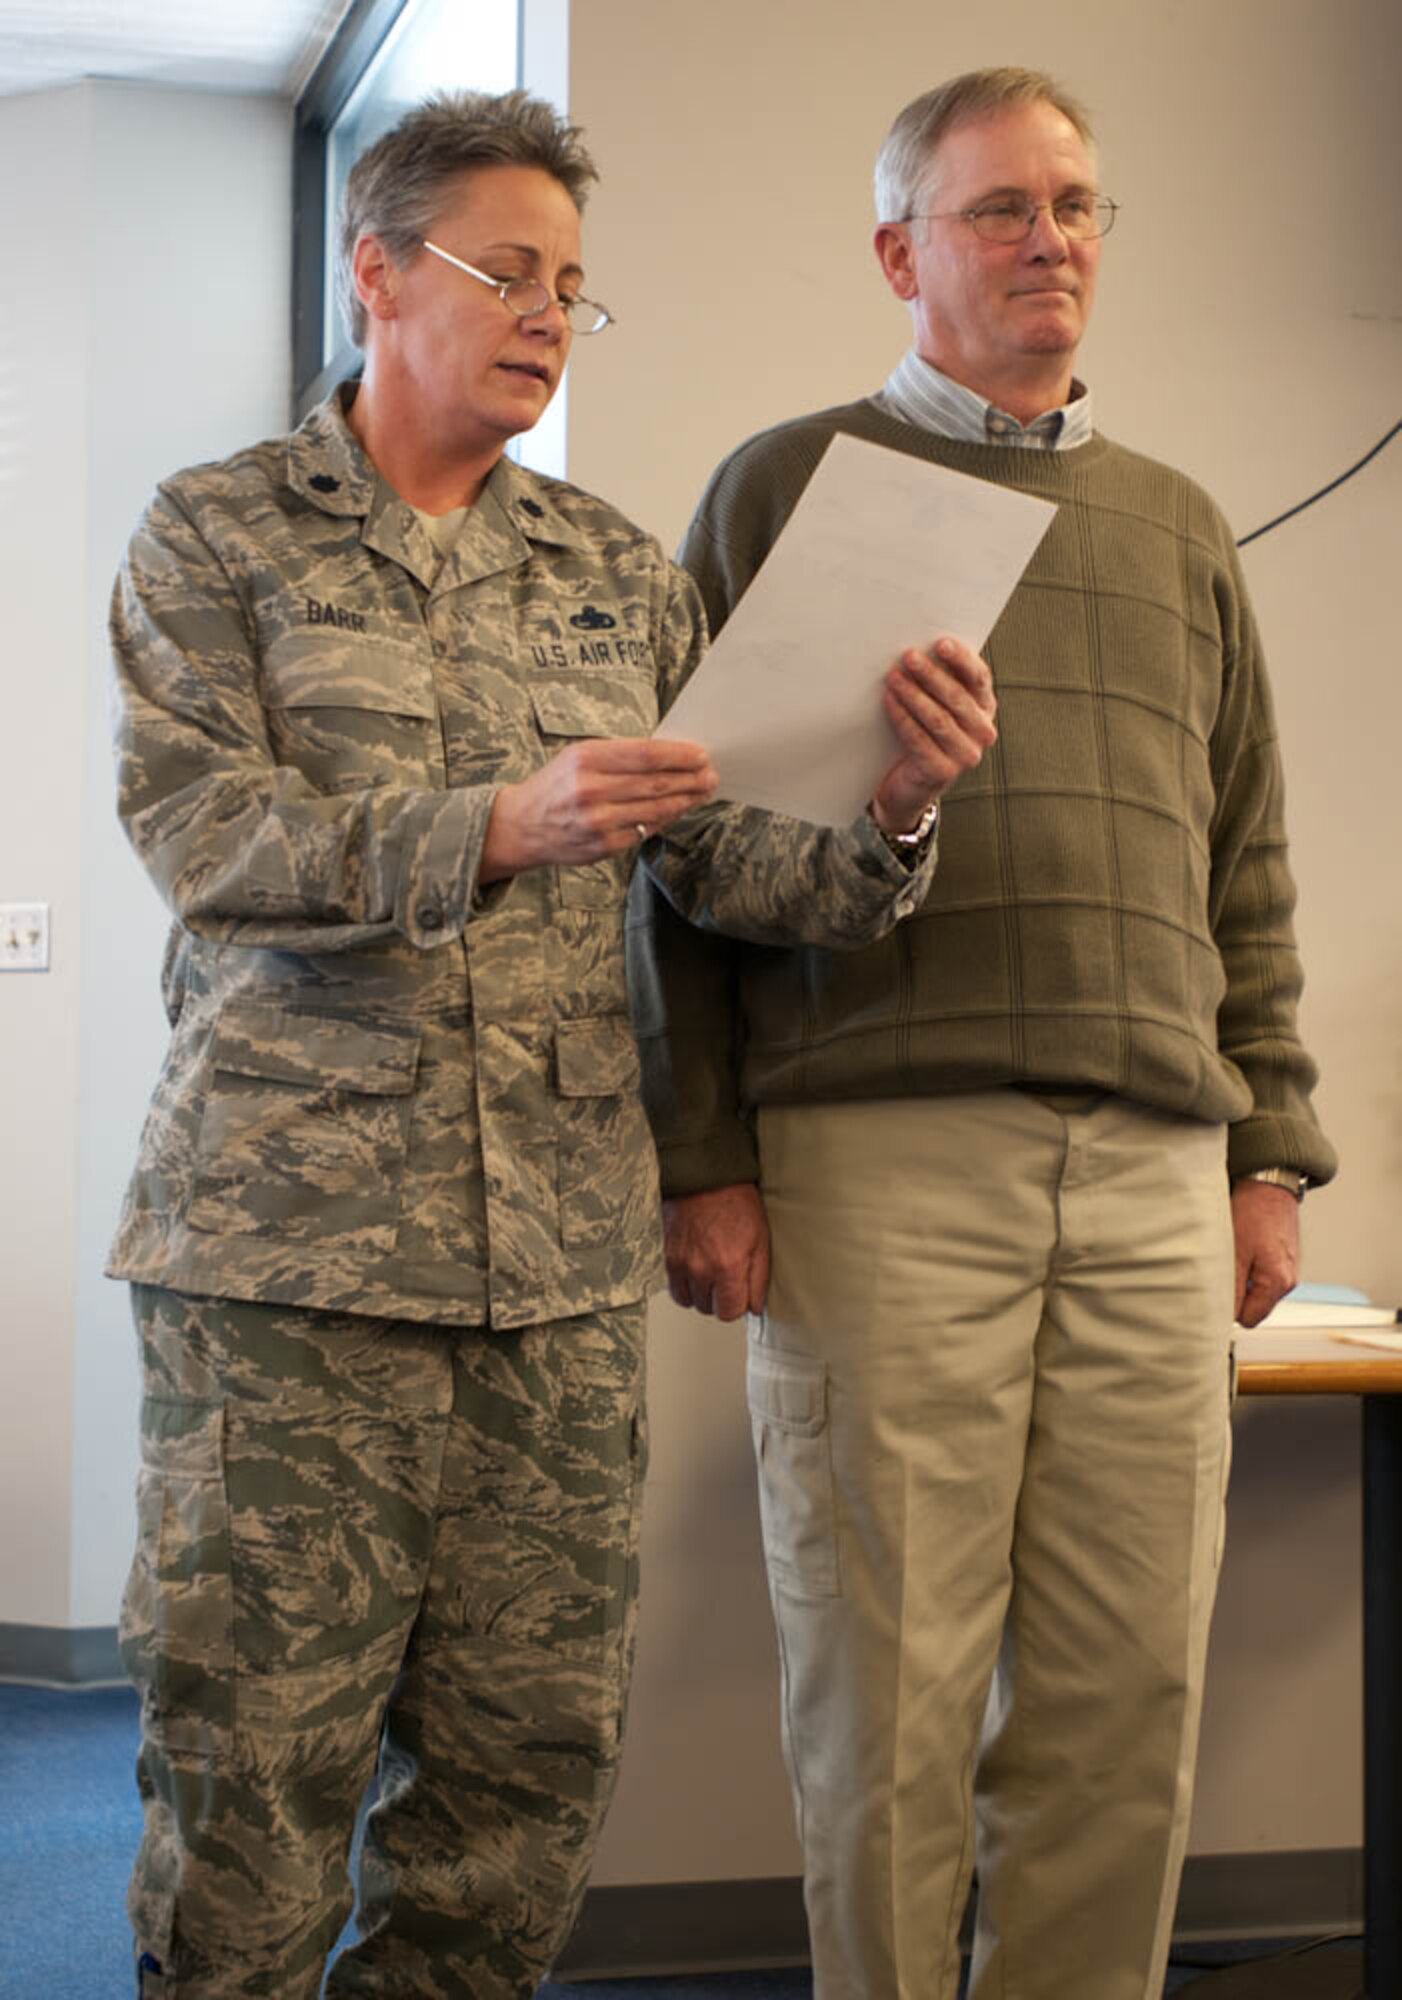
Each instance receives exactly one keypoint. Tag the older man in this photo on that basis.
(1003, 1156)
(384, 702)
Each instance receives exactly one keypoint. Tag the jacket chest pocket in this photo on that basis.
(304, 1130)
(350, 712)
(594, 705)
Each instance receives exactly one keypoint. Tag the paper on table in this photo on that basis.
(883, 551)
(1294, 1311)
(1391, 1341)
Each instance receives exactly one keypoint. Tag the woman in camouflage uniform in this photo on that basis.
(384, 712)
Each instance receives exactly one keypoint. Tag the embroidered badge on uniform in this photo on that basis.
(591, 619)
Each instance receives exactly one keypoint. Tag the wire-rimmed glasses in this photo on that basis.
(1011, 218)
(528, 296)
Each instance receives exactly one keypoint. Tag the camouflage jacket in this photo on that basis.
(390, 1090)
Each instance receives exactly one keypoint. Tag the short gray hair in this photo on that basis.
(905, 164)
(396, 188)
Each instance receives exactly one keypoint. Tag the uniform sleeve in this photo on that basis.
(245, 851)
(1252, 914)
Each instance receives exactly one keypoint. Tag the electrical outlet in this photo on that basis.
(24, 937)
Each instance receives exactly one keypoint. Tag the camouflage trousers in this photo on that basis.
(375, 1551)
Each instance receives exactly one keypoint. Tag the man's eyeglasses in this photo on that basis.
(527, 296)
(1010, 218)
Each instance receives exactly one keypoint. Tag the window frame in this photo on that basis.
(328, 90)
(542, 66)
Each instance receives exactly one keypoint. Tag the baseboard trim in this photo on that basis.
(60, 1655)
(654, 1929)
(1296, 1892)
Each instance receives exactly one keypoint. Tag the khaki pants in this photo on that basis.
(374, 1549)
(990, 1402)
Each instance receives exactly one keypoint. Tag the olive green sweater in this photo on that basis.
(1112, 905)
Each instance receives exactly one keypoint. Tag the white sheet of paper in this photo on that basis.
(883, 551)
(1391, 1341)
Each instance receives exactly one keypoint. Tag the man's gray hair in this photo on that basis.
(905, 166)
(396, 188)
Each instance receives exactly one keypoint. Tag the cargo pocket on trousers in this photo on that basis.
(176, 1625)
(788, 1398)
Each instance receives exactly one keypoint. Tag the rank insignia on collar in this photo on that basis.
(534, 508)
(324, 483)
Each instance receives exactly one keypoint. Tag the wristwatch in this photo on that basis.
(909, 848)
(1289, 1178)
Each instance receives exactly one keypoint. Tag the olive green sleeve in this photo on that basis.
(728, 873)
(1252, 914)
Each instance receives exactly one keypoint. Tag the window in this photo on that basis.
(386, 56)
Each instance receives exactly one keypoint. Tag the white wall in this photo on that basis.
(146, 326)
(1249, 329)
(43, 502)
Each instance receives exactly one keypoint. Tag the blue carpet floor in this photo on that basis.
(69, 1825)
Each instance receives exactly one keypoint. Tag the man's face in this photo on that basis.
(481, 372)
(990, 314)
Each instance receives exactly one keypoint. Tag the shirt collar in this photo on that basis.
(922, 395)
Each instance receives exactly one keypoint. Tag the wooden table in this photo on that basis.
(1315, 1363)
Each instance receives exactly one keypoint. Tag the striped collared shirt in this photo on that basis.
(919, 394)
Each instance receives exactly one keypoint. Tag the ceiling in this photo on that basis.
(250, 45)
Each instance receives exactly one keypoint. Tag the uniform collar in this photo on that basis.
(526, 499)
(325, 463)
(515, 509)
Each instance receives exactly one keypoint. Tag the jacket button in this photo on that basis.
(430, 917)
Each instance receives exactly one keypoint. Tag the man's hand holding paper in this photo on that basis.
(881, 553)
(940, 706)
